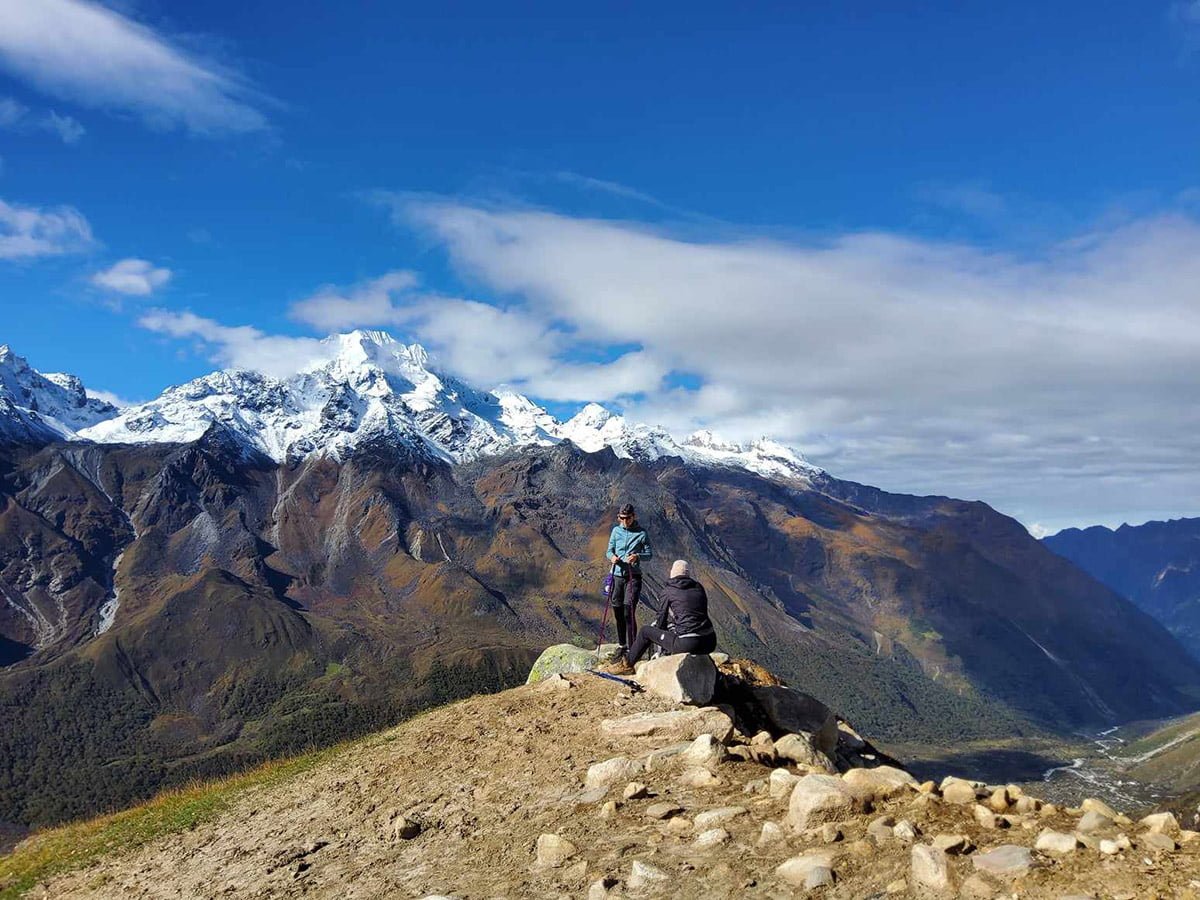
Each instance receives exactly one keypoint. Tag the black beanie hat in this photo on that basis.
(627, 509)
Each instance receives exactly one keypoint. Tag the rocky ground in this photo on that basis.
(579, 786)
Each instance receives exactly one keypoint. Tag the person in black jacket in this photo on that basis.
(682, 625)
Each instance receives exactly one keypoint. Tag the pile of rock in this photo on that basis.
(825, 806)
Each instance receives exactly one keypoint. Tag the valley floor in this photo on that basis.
(479, 781)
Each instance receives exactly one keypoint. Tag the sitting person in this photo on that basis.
(682, 625)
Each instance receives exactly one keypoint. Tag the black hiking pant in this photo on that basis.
(627, 590)
(670, 642)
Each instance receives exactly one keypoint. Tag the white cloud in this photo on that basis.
(1061, 381)
(15, 116)
(92, 55)
(109, 397)
(133, 277)
(66, 127)
(28, 232)
(483, 343)
(242, 346)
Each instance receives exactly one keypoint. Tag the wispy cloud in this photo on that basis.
(28, 232)
(15, 116)
(239, 346)
(923, 365)
(109, 397)
(92, 55)
(132, 277)
(484, 343)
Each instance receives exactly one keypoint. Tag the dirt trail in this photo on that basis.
(485, 777)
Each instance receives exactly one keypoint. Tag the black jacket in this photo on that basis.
(685, 602)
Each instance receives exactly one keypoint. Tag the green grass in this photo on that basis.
(69, 847)
(334, 668)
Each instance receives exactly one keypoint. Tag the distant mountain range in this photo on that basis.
(249, 565)
(1156, 565)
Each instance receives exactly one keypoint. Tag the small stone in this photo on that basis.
(1186, 836)
(700, 778)
(555, 682)
(1093, 821)
(1157, 842)
(600, 888)
(1109, 847)
(771, 834)
(780, 782)
(879, 783)
(553, 851)
(929, 868)
(1051, 841)
(1027, 805)
(619, 768)
(795, 871)
(713, 837)
(762, 749)
(817, 799)
(830, 833)
(881, 829)
(899, 886)
(643, 875)
(705, 751)
(679, 825)
(953, 844)
(984, 816)
(1091, 804)
(1163, 823)
(905, 831)
(635, 790)
(999, 800)
(1007, 860)
(958, 791)
(718, 658)
(799, 749)
(663, 810)
(1048, 811)
(714, 817)
(927, 787)
(609, 809)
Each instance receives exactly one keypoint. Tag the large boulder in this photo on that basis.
(675, 725)
(792, 711)
(817, 799)
(682, 677)
(563, 658)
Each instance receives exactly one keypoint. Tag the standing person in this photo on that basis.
(628, 545)
(683, 625)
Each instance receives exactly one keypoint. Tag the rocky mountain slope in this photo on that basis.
(578, 786)
(1156, 565)
(174, 610)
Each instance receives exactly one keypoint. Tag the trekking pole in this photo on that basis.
(603, 625)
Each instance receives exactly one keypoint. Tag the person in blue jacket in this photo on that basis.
(628, 545)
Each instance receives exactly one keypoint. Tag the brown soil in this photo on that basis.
(487, 776)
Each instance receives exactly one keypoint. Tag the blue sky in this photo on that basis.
(946, 249)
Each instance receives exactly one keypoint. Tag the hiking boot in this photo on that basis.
(616, 667)
(620, 653)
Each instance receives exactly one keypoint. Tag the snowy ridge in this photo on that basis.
(368, 388)
(36, 406)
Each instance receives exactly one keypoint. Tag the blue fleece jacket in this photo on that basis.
(625, 541)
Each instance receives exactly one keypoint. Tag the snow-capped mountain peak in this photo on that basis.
(37, 406)
(365, 386)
